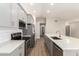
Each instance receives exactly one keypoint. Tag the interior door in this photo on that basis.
(42, 30)
(68, 30)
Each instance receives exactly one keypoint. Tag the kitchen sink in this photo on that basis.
(55, 38)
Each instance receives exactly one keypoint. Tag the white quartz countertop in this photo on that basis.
(10, 46)
(66, 42)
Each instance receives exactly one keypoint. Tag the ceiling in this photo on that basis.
(67, 11)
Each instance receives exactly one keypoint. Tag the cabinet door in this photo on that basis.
(14, 20)
(21, 14)
(29, 18)
(57, 51)
(45, 37)
(21, 50)
(32, 41)
(48, 44)
(5, 14)
(15, 52)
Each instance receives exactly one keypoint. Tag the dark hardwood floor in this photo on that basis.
(39, 49)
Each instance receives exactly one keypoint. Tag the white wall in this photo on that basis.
(52, 26)
(37, 30)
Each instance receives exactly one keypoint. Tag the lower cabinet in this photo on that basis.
(48, 44)
(19, 51)
(15, 52)
(27, 46)
(32, 41)
(29, 43)
(57, 51)
(53, 49)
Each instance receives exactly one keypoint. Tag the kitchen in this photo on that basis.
(39, 29)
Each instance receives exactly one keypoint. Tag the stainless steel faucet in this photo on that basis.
(59, 33)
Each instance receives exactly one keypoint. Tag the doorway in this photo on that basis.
(42, 29)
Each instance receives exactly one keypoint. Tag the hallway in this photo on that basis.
(39, 49)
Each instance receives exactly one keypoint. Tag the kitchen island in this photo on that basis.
(67, 46)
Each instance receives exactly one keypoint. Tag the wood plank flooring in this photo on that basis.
(39, 49)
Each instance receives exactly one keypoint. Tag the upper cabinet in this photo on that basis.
(5, 14)
(21, 13)
(8, 15)
(14, 20)
(11, 13)
(30, 19)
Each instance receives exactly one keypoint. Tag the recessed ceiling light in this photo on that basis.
(31, 4)
(51, 3)
(48, 11)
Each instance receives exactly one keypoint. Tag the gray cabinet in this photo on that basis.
(57, 51)
(48, 44)
(29, 29)
(32, 41)
(53, 49)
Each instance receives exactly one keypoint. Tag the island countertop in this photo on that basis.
(66, 43)
(10, 46)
